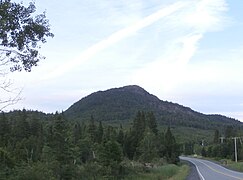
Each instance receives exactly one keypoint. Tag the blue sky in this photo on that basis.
(185, 51)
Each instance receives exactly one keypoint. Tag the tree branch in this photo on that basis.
(14, 94)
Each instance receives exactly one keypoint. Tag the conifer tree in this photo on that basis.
(100, 132)
(136, 134)
(61, 147)
(147, 150)
(152, 124)
(92, 129)
(4, 130)
(76, 133)
(171, 148)
(216, 136)
(120, 137)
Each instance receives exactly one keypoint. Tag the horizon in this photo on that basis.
(182, 51)
(113, 89)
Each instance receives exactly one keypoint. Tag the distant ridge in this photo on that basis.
(121, 104)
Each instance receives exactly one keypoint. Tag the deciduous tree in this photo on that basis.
(22, 32)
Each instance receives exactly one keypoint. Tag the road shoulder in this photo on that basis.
(193, 174)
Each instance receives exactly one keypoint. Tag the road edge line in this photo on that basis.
(198, 171)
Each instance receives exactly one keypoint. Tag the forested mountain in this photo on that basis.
(76, 144)
(121, 104)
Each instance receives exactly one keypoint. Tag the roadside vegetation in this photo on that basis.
(169, 171)
(235, 166)
(38, 146)
(221, 148)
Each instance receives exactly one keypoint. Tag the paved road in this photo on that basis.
(210, 171)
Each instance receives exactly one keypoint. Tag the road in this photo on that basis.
(208, 170)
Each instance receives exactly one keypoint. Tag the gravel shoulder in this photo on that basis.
(193, 175)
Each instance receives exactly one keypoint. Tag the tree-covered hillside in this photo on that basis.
(121, 104)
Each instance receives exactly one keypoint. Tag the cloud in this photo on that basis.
(154, 50)
(114, 38)
(189, 26)
(207, 15)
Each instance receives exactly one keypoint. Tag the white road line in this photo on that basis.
(223, 167)
(200, 175)
(220, 172)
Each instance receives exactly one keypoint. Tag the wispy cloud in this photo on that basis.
(149, 43)
(189, 27)
(114, 38)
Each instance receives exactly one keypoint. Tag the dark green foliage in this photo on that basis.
(5, 159)
(110, 157)
(4, 130)
(216, 137)
(120, 137)
(121, 104)
(189, 148)
(138, 127)
(85, 152)
(38, 171)
(100, 132)
(21, 32)
(129, 145)
(152, 124)
(147, 150)
(172, 149)
(225, 148)
(161, 144)
(229, 132)
(51, 147)
(110, 152)
(92, 129)
(77, 133)
(203, 152)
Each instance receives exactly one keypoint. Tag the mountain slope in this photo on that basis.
(121, 104)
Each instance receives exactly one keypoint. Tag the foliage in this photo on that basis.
(222, 146)
(172, 149)
(33, 143)
(235, 166)
(120, 105)
(40, 146)
(21, 34)
(169, 171)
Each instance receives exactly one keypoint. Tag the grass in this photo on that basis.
(235, 166)
(165, 172)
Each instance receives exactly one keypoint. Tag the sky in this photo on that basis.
(183, 51)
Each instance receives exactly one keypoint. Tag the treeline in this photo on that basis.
(35, 146)
(221, 147)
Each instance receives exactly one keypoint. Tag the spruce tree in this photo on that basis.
(120, 137)
(216, 136)
(100, 132)
(92, 129)
(147, 150)
(76, 133)
(171, 147)
(4, 130)
(152, 124)
(61, 148)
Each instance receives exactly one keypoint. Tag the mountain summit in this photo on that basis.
(121, 104)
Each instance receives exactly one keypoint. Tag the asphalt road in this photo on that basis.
(208, 170)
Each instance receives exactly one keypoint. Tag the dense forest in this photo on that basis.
(120, 105)
(109, 134)
(34, 145)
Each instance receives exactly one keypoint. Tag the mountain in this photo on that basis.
(122, 104)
